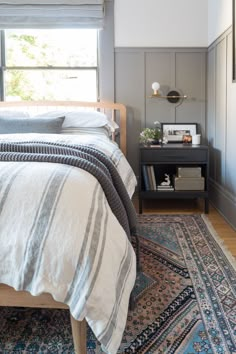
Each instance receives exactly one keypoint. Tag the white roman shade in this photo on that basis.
(51, 14)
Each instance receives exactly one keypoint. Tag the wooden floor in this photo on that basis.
(222, 228)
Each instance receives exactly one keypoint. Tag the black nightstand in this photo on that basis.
(168, 159)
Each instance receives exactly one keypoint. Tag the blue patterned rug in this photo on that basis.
(185, 298)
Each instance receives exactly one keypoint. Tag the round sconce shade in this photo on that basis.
(155, 86)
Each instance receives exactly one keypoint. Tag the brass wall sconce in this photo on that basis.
(172, 96)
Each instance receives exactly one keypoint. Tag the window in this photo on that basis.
(55, 64)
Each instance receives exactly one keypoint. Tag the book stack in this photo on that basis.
(149, 177)
(165, 188)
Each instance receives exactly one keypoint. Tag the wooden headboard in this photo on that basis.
(116, 111)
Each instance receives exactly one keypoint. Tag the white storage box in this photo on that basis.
(189, 172)
(189, 184)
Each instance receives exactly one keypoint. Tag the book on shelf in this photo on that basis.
(149, 177)
(165, 188)
(146, 180)
(153, 178)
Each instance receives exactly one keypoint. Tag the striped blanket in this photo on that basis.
(59, 235)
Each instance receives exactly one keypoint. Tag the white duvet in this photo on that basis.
(59, 235)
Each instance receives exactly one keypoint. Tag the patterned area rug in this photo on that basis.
(185, 298)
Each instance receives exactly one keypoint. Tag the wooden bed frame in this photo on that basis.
(8, 295)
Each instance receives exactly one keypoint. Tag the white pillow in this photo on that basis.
(83, 119)
(101, 131)
(13, 114)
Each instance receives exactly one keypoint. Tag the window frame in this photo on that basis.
(106, 63)
(4, 67)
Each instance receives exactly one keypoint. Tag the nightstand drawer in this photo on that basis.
(171, 155)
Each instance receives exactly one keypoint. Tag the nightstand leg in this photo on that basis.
(140, 206)
(206, 206)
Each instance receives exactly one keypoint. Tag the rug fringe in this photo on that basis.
(219, 240)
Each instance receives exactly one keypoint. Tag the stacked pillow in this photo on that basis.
(55, 122)
(84, 122)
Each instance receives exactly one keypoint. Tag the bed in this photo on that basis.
(71, 263)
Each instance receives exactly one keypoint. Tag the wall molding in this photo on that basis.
(160, 49)
(223, 202)
(221, 189)
(175, 68)
(220, 122)
(218, 39)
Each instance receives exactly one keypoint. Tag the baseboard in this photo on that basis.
(223, 202)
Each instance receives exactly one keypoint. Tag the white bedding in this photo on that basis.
(101, 141)
(59, 235)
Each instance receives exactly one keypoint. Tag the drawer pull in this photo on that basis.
(174, 157)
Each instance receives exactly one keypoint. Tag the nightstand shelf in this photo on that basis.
(166, 159)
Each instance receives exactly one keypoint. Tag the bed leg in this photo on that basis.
(79, 335)
(135, 235)
(132, 301)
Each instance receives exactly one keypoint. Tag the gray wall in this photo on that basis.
(221, 126)
(137, 68)
(106, 62)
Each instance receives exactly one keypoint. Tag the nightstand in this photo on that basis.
(169, 159)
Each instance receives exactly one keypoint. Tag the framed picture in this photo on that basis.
(234, 41)
(176, 132)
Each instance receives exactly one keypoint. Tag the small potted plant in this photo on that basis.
(151, 136)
